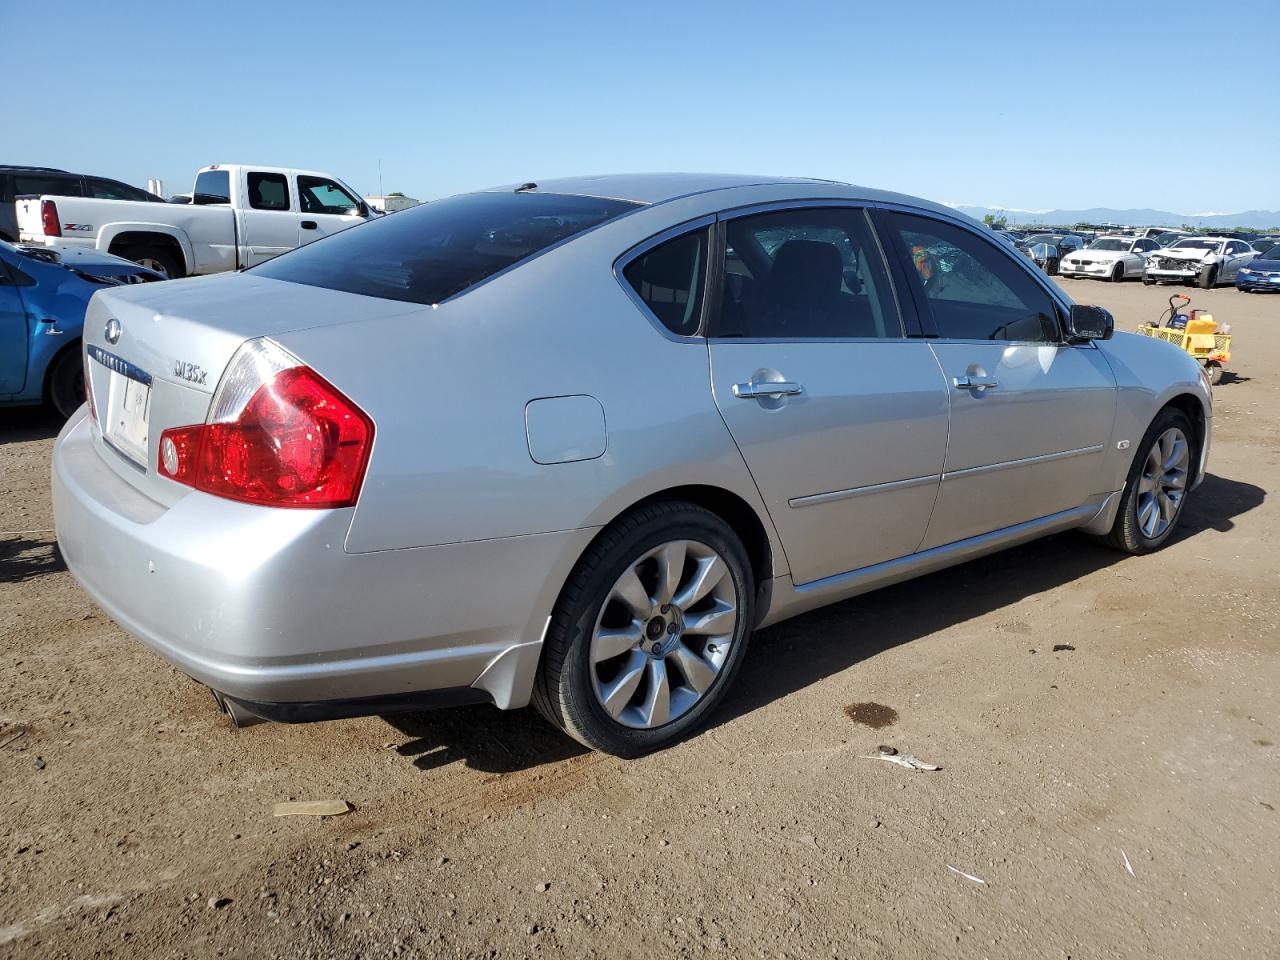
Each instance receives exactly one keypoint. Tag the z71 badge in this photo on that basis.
(191, 372)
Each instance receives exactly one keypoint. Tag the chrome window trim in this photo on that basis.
(634, 252)
(810, 203)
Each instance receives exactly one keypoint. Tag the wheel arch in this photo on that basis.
(1191, 405)
(117, 238)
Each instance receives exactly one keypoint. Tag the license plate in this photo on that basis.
(127, 408)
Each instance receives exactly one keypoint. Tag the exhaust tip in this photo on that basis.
(235, 711)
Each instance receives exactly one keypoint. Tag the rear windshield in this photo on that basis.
(429, 253)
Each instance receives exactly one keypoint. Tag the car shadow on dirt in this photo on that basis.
(799, 652)
(23, 424)
(484, 738)
(24, 559)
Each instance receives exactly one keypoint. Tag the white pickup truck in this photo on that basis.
(238, 216)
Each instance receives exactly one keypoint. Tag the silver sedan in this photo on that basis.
(573, 441)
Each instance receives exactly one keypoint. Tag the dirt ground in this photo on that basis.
(135, 823)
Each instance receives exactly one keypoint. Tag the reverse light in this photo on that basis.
(49, 219)
(278, 434)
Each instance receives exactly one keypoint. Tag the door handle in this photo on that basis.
(759, 389)
(975, 382)
(308, 225)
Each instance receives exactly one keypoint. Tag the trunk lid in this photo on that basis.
(155, 354)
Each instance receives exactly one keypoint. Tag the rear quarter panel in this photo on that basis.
(447, 388)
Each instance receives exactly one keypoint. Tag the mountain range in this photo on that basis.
(1249, 219)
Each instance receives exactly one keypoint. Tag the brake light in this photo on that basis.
(49, 218)
(278, 434)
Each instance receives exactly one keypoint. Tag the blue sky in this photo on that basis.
(1024, 105)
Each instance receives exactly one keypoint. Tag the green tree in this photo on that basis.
(996, 221)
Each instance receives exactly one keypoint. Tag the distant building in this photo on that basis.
(392, 203)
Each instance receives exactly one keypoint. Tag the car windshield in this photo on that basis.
(1045, 238)
(1270, 253)
(1167, 238)
(432, 252)
(1196, 245)
(1110, 243)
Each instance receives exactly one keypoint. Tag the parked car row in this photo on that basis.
(1207, 261)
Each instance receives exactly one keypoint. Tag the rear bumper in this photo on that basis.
(264, 606)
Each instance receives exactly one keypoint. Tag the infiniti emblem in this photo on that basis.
(113, 330)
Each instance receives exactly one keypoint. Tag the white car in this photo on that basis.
(1204, 261)
(238, 216)
(1112, 258)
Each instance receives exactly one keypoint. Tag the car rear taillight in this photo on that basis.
(278, 434)
(49, 218)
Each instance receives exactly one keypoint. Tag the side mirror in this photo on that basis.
(1089, 323)
(362, 210)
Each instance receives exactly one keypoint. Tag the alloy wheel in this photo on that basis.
(1163, 483)
(663, 634)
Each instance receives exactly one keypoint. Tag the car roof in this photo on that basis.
(21, 168)
(655, 188)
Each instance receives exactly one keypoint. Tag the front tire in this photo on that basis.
(1208, 278)
(1156, 487)
(65, 385)
(1117, 275)
(649, 631)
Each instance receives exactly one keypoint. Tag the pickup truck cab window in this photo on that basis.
(324, 196)
(268, 191)
(212, 186)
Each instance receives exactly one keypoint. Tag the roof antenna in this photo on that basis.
(525, 187)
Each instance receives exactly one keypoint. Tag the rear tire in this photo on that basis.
(1159, 479)
(160, 259)
(65, 384)
(620, 698)
(1215, 373)
(1051, 266)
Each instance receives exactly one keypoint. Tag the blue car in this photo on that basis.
(1262, 273)
(43, 295)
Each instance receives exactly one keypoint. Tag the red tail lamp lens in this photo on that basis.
(298, 442)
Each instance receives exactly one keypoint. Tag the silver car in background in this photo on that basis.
(572, 442)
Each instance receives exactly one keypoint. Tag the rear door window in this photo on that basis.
(268, 191)
(25, 184)
(437, 250)
(973, 289)
(101, 189)
(805, 274)
(670, 278)
(212, 186)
